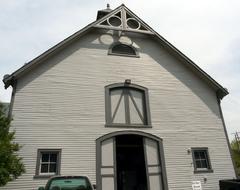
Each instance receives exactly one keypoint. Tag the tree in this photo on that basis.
(235, 145)
(11, 165)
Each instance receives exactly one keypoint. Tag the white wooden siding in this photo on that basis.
(61, 104)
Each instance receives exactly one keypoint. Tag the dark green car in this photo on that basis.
(68, 183)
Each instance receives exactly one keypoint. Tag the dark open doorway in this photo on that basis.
(131, 170)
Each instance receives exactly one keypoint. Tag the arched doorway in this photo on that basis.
(130, 160)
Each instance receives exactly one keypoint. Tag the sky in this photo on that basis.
(208, 32)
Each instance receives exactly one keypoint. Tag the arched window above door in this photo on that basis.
(127, 105)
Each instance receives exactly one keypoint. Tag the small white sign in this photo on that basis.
(196, 185)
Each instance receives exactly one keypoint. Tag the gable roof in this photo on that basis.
(125, 16)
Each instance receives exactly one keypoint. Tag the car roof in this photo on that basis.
(66, 177)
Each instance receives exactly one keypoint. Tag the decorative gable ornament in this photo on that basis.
(124, 20)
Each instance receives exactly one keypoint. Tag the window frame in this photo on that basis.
(108, 114)
(122, 54)
(201, 170)
(38, 173)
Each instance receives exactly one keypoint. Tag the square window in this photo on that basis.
(48, 162)
(201, 160)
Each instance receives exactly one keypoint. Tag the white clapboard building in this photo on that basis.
(117, 102)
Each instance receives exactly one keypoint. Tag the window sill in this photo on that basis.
(128, 126)
(203, 171)
(125, 55)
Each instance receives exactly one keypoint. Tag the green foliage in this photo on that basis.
(11, 165)
(236, 154)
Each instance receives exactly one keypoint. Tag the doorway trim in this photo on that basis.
(129, 132)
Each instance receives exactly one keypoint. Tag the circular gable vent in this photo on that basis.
(114, 21)
(133, 24)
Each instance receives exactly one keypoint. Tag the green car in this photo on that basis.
(68, 183)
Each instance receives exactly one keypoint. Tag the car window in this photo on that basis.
(70, 184)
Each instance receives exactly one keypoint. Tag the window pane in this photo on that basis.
(44, 168)
(204, 164)
(196, 155)
(53, 157)
(202, 154)
(71, 183)
(53, 168)
(198, 164)
(45, 157)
